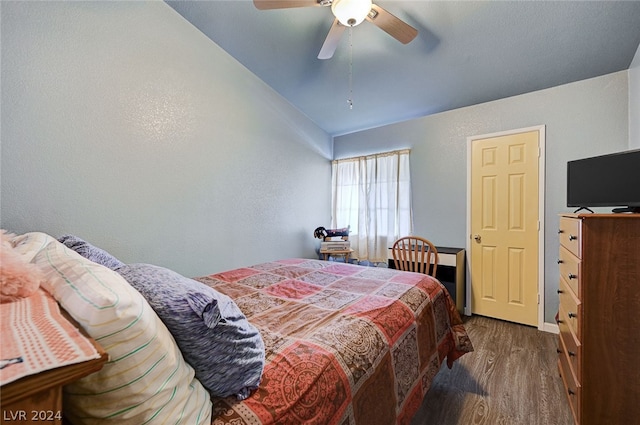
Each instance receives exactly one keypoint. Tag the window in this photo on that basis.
(372, 194)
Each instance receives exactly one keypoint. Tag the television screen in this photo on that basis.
(605, 181)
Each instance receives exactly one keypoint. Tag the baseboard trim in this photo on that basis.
(551, 328)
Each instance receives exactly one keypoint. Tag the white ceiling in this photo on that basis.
(466, 52)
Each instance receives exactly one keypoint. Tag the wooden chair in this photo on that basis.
(415, 254)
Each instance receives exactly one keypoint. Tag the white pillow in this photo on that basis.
(30, 244)
(146, 380)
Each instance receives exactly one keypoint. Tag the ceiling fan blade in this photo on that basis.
(392, 25)
(283, 4)
(332, 40)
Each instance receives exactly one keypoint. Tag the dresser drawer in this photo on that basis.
(569, 346)
(571, 307)
(570, 235)
(571, 387)
(570, 270)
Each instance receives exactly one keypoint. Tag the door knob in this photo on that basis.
(478, 238)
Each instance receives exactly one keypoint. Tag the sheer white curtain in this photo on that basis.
(372, 194)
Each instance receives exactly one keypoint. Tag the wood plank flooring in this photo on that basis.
(510, 379)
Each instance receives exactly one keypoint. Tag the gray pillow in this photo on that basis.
(90, 252)
(215, 337)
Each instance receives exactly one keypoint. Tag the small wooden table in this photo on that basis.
(343, 252)
(38, 398)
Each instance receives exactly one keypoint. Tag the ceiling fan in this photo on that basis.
(348, 13)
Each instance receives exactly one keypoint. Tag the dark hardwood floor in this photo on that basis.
(510, 379)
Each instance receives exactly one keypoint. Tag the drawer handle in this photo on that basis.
(560, 261)
(560, 231)
(571, 353)
(572, 238)
(572, 276)
(572, 315)
(560, 291)
(559, 351)
(571, 392)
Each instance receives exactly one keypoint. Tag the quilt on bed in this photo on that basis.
(345, 344)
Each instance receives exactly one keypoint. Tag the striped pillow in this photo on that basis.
(146, 380)
(30, 244)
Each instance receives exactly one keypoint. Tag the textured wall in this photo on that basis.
(582, 119)
(634, 102)
(125, 125)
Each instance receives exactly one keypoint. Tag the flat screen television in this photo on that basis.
(605, 181)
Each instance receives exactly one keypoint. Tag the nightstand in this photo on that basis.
(38, 398)
(340, 252)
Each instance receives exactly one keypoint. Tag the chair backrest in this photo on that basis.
(415, 254)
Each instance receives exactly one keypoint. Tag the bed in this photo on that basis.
(345, 344)
(284, 342)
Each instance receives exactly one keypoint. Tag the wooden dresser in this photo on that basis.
(599, 316)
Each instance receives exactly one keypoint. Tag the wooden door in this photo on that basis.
(504, 225)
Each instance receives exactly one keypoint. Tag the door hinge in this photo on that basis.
(538, 299)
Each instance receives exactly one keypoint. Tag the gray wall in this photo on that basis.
(634, 102)
(582, 119)
(125, 125)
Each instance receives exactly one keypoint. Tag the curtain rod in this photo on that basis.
(375, 155)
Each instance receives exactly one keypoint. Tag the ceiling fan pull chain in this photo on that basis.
(350, 100)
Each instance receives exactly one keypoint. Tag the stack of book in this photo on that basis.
(335, 246)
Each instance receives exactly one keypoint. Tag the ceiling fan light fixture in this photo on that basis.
(350, 12)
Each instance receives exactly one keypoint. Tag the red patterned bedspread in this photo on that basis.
(345, 344)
